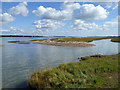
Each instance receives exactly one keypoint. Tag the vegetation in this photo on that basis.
(37, 40)
(86, 39)
(13, 41)
(116, 39)
(96, 71)
(19, 42)
(23, 42)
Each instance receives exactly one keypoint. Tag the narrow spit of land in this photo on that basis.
(74, 42)
(1, 45)
(96, 71)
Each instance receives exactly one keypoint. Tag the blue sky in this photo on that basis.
(59, 18)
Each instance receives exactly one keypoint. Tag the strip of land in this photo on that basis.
(1, 45)
(74, 42)
(19, 42)
(96, 71)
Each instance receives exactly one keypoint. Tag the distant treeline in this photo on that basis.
(26, 36)
(49, 36)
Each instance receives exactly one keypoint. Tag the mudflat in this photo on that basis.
(71, 44)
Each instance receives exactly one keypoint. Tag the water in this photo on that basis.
(19, 61)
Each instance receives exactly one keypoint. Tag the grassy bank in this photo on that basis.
(87, 39)
(96, 71)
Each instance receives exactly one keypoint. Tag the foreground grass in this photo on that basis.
(94, 71)
(87, 39)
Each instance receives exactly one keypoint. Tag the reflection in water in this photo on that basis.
(20, 60)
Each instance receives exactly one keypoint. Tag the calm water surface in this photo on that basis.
(19, 61)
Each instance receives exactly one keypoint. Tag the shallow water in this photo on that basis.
(19, 61)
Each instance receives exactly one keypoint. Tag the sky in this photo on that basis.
(59, 18)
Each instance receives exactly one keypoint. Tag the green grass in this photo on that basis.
(96, 71)
(87, 39)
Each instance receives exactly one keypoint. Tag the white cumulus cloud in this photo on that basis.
(111, 24)
(81, 25)
(70, 5)
(52, 13)
(6, 18)
(20, 9)
(89, 12)
(47, 24)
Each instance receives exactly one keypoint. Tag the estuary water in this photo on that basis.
(19, 61)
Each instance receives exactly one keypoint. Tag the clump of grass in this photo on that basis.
(13, 41)
(92, 73)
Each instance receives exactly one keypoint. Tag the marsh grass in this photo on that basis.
(116, 40)
(86, 39)
(19, 42)
(95, 72)
(23, 42)
(13, 41)
(37, 40)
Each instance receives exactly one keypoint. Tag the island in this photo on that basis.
(73, 42)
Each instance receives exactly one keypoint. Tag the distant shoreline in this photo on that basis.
(49, 36)
(27, 36)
